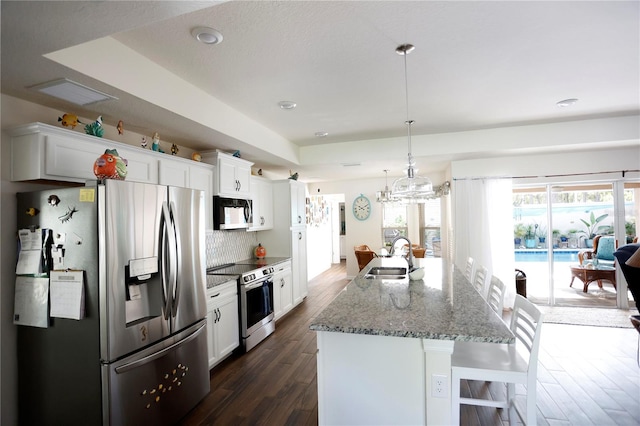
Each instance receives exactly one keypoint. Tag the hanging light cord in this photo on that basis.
(404, 50)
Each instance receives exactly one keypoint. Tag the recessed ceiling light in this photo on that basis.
(566, 103)
(321, 134)
(206, 35)
(286, 105)
(71, 91)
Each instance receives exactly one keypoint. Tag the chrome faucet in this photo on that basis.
(409, 256)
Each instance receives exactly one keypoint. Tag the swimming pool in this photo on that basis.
(540, 255)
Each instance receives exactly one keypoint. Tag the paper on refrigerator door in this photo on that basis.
(31, 302)
(67, 294)
(30, 256)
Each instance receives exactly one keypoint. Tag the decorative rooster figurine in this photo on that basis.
(95, 128)
(110, 166)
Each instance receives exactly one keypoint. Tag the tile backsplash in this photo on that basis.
(229, 246)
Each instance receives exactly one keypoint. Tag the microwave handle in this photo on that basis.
(247, 211)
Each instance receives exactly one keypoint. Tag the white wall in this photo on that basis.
(369, 231)
(579, 165)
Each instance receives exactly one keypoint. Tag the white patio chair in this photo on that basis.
(495, 295)
(510, 364)
(480, 280)
(468, 270)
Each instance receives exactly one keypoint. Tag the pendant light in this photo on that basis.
(384, 196)
(412, 188)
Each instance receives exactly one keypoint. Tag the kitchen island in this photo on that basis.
(384, 345)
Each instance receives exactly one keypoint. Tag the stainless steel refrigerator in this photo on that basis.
(139, 354)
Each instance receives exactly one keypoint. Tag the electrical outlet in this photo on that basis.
(439, 386)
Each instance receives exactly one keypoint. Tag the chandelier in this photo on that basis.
(412, 188)
(384, 196)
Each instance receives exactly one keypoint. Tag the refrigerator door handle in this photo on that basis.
(139, 362)
(178, 260)
(168, 258)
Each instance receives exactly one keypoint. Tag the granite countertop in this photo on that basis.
(442, 306)
(216, 280)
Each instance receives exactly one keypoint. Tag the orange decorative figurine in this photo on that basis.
(110, 166)
(261, 252)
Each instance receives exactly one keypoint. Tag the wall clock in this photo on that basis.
(361, 207)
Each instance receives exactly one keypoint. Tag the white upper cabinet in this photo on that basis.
(189, 174)
(232, 178)
(41, 151)
(174, 173)
(298, 203)
(262, 197)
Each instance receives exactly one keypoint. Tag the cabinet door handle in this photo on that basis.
(299, 219)
(215, 295)
(299, 235)
(219, 315)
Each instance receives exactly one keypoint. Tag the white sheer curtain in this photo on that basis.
(483, 228)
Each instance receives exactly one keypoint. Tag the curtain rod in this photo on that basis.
(623, 172)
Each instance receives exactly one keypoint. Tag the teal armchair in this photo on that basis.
(603, 248)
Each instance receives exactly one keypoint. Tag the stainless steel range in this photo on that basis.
(255, 289)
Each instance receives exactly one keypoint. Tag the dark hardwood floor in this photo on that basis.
(275, 383)
(586, 375)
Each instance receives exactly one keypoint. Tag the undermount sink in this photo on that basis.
(386, 272)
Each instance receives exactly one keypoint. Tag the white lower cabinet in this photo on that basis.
(282, 289)
(223, 334)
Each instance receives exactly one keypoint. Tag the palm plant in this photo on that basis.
(592, 225)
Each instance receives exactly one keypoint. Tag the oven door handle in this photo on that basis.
(257, 284)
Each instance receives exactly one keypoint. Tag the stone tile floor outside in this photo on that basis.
(538, 287)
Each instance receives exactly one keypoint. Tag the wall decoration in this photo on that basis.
(69, 120)
(174, 149)
(196, 156)
(143, 142)
(120, 127)
(317, 210)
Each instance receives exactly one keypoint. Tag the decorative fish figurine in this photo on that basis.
(120, 127)
(110, 166)
(95, 128)
(69, 120)
(174, 149)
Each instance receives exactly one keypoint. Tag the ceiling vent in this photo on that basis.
(71, 91)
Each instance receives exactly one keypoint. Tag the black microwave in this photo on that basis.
(231, 213)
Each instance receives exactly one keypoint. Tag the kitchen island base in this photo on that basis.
(378, 380)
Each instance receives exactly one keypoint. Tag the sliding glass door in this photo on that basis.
(554, 233)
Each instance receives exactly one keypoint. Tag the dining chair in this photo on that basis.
(362, 247)
(468, 270)
(508, 363)
(363, 257)
(418, 252)
(480, 280)
(495, 295)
